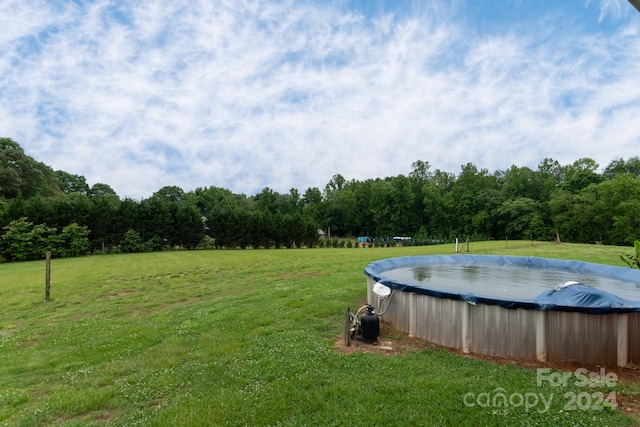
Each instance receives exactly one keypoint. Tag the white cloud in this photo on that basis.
(248, 94)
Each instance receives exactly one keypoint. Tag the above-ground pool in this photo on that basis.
(514, 307)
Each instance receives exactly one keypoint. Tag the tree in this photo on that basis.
(125, 218)
(286, 203)
(341, 210)
(155, 222)
(76, 207)
(380, 206)
(170, 193)
(617, 209)
(266, 200)
(420, 171)
(626, 222)
(520, 219)
(419, 176)
(103, 222)
(213, 199)
(102, 190)
(552, 168)
(561, 209)
(362, 222)
(581, 174)
(295, 204)
(187, 226)
(622, 167)
(311, 204)
(38, 210)
(438, 204)
(520, 182)
(21, 175)
(335, 184)
(404, 219)
(581, 216)
(70, 183)
(475, 191)
(312, 195)
(339, 204)
(12, 160)
(262, 229)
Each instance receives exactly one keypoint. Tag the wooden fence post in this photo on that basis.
(47, 280)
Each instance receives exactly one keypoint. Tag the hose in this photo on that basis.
(359, 310)
(355, 316)
(388, 304)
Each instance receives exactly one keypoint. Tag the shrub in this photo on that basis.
(131, 242)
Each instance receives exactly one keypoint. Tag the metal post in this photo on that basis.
(466, 328)
(623, 340)
(541, 336)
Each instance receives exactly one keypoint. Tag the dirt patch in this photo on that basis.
(392, 341)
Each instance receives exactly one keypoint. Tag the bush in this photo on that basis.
(72, 241)
(131, 242)
(23, 241)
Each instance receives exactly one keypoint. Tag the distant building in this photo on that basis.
(321, 234)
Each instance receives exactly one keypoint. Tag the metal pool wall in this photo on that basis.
(524, 330)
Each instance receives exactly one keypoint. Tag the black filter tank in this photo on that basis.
(370, 324)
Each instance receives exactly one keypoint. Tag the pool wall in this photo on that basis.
(517, 331)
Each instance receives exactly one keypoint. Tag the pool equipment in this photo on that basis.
(366, 327)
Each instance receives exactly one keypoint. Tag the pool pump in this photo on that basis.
(366, 328)
(370, 325)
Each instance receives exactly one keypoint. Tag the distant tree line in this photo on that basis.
(42, 209)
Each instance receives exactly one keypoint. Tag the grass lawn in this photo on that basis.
(246, 338)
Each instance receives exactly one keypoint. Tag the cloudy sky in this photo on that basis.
(247, 94)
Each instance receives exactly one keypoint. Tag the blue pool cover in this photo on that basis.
(569, 297)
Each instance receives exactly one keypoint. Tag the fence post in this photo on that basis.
(47, 280)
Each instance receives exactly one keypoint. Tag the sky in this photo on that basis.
(248, 94)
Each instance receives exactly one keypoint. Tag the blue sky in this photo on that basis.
(247, 94)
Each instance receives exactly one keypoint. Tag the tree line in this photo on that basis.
(42, 209)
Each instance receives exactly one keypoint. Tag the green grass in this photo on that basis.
(242, 338)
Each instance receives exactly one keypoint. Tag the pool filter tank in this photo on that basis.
(370, 325)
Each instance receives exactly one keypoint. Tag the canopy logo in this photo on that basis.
(500, 401)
